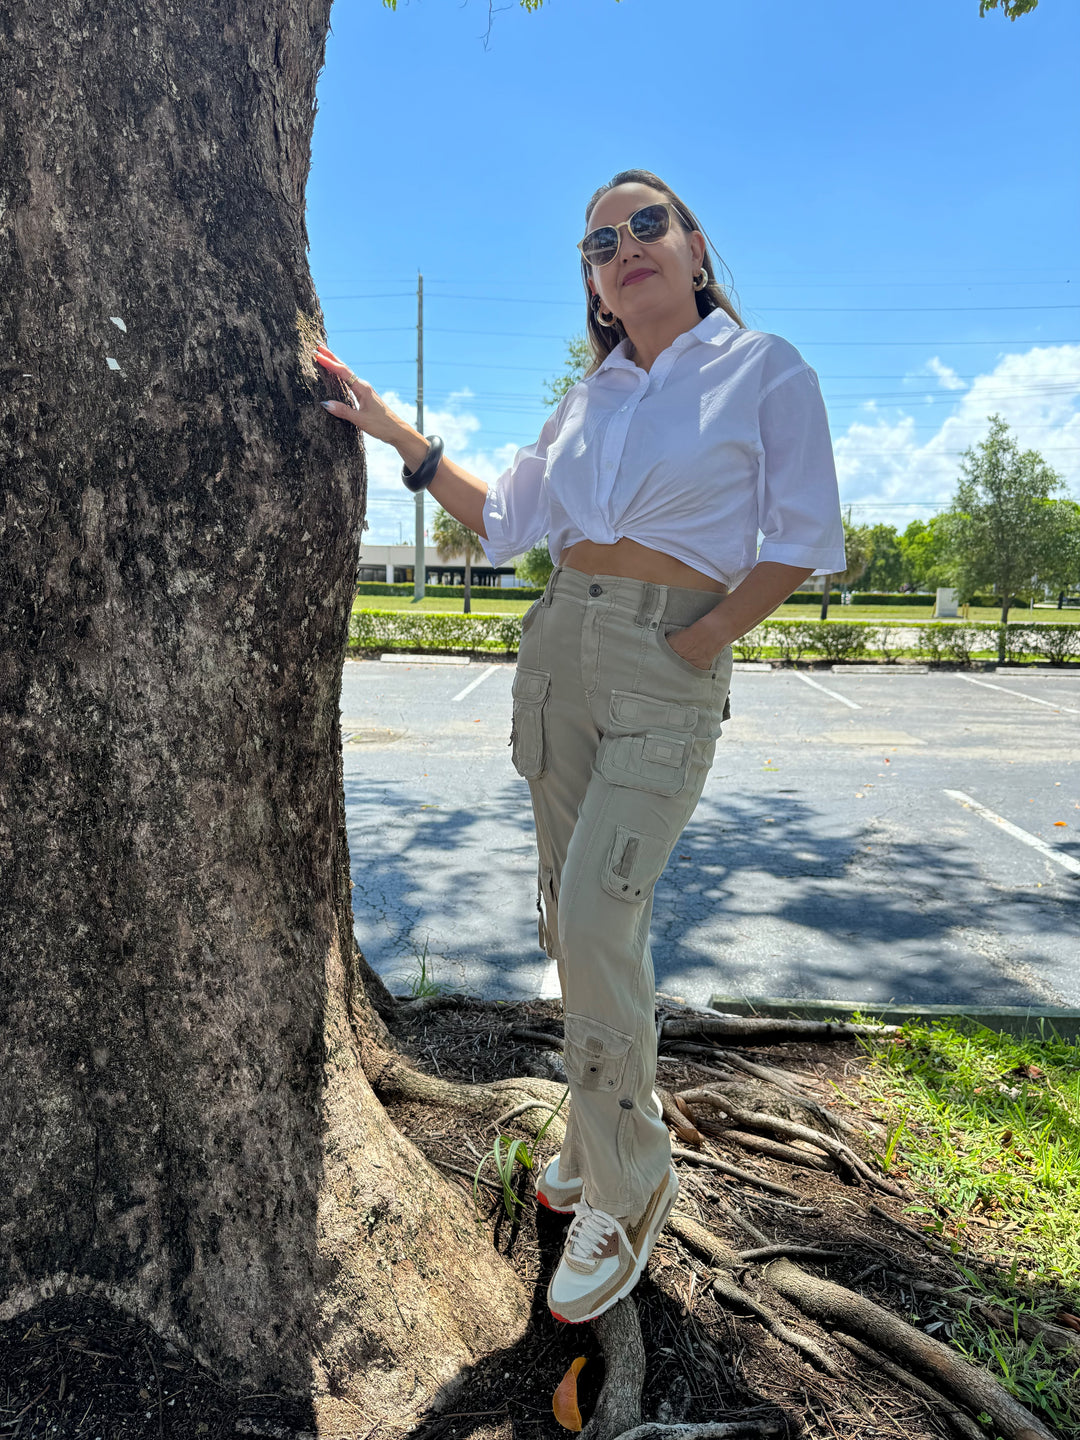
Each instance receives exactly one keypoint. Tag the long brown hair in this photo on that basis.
(604, 338)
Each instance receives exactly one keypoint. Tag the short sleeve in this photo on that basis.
(798, 498)
(516, 511)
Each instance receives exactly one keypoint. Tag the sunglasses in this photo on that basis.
(647, 225)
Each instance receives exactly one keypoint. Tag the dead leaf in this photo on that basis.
(1071, 1322)
(1065, 823)
(564, 1401)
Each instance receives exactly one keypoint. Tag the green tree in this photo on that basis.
(1012, 8)
(857, 552)
(452, 538)
(578, 359)
(1001, 526)
(925, 549)
(1060, 569)
(886, 568)
(535, 565)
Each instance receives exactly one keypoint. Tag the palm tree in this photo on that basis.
(452, 538)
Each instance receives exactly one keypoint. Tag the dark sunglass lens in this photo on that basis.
(649, 224)
(599, 246)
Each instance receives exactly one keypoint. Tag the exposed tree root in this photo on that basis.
(392, 1078)
(776, 1149)
(782, 1247)
(735, 1297)
(708, 1245)
(757, 1120)
(678, 1120)
(768, 1032)
(969, 1386)
(618, 1408)
(957, 1419)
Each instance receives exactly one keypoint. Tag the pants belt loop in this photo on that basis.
(652, 605)
(549, 588)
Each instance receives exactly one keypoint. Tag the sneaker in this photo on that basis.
(560, 1196)
(604, 1257)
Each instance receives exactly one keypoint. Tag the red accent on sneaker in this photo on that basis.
(548, 1206)
(568, 1322)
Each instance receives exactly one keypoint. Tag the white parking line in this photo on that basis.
(473, 683)
(842, 698)
(1065, 861)
(1006, 691)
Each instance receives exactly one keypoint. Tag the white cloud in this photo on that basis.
(390, 507)
(885, 465)
(946, 374)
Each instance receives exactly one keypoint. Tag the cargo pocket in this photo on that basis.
(633, 865)
(656, 761)
(527, 732)
(594, 1053)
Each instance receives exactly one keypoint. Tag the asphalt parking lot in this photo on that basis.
(869, 836)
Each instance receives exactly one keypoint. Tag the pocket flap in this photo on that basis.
(531, 686)
(664, 749)
(594, 1037)
(644, 712)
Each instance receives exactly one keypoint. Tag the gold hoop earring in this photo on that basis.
(605, 317)
(701, 279)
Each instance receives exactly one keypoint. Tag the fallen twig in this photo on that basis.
(776, 1149)
(699, 1157)
(791, 1250)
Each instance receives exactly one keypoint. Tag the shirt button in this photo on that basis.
(595, 590)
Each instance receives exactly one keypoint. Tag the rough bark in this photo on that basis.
(188, 1131)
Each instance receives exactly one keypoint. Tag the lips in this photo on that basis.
(636, 275)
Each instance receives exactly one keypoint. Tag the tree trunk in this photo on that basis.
(825, 598)
(468, 585)
(187, 1130)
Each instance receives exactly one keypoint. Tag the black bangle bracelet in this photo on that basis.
(422, 476)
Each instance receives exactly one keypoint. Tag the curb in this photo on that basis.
(1016, 1020)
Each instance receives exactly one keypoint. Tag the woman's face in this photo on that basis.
(645, 282)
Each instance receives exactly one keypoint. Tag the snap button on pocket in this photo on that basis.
(595, 590)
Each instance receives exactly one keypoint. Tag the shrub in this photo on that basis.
(1056, 643)
(870, 597)
(791, 637)
(885, 639)
(406, 630)
(840, 639)
(943, 641)
(812, 597)
(750, 646)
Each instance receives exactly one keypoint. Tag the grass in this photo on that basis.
(506, 1155)
(486, 601)
(988, 1129)
(422, 981)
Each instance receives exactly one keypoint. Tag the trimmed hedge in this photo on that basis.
(451, 592)
(935, 640)
(872, 597)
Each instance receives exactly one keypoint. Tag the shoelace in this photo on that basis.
(588, 1231)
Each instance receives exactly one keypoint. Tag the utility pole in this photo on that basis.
(418, 561)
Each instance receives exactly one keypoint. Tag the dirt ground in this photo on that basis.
(75, 1369)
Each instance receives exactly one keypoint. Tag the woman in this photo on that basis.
(652, 480)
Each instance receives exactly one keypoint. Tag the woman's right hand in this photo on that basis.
(369, 412)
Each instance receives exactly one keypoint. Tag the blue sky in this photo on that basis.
(893, 187)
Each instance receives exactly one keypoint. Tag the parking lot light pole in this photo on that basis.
(418, 561)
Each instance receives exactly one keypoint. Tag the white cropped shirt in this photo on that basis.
(724, 438)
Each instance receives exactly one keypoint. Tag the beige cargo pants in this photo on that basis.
(615, 734)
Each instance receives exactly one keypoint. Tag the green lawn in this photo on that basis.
(488, 602)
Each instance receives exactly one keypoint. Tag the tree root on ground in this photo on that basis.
(966, 1384)
(775, 1149)
(393, 1079)
(618, 1408)
(769, 1032)
(960, 1422)
(711, 1430)
(788, 1129)
(735, 1297)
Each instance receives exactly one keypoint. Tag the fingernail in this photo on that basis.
(326, 404)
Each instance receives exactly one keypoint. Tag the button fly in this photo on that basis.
(595, 590)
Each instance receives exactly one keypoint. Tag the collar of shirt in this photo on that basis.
(713, 328)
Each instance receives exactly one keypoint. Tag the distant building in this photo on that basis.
(393, 565)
